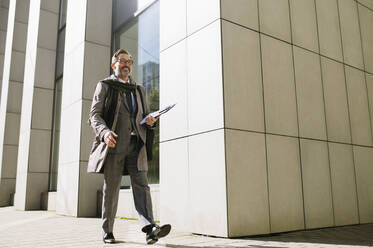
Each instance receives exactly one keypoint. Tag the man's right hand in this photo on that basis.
(109, 139)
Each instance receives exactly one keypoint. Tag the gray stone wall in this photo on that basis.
(274, 116)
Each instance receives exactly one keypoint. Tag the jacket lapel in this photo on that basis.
(139, 105)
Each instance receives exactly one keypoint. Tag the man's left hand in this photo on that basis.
(150, 120)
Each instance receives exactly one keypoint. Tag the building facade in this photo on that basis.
(272, 131)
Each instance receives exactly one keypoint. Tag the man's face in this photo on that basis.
(123, 66)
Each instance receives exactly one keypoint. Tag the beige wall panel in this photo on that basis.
(45, 68)
(97, 59)
(303, 24)
(343, 184)
(3, 18)
(70, 131)
(173, 24)
(367, 3)
(20, 188)
(1, 68)
(8, 187)
(2, 48)
(15, 90)
(310, 99)
(366, 22)
(16, 68)
(51, 5)
(243, 96)
(364, 170)
(73, 70)
(22, 10)
(36, 183)
(38, 161)
(12, 124)
(42, 109)
(67, 194)
(201, 13)
(75, 34)
(248, 209)
(207, 162)
(329, 30)
(23, 152)
(19, 36)
(369, 79)
(279, 87)
(336, 107)
(98, 25)
(175, 204)
(90, 183)
(205, 80)
(350, 31)
(359, 110)
(174, 89)
(9, 167)
(318, 202)
(274, 18)
(285, 185)
(243, 12)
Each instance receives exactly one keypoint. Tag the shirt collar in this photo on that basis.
(121, 80)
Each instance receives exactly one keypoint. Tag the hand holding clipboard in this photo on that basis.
(158, 113)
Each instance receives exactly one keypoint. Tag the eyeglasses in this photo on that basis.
(125, 61)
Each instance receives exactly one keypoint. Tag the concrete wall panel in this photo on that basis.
(363, 157)
(318, 201)
(279, 87)
(247, 188)
(285, 184)
(336, 106)
(350, 31)
(310, 98)
(243, 91)
(304, 24)
(242, 12)
(329, 30)
(359, 110)
(343, 184)
(173, 24)
(174, 89)
(274, 18)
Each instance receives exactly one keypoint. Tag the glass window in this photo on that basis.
(140, 36)
(63, 8)
(53, 170)
(60, 53)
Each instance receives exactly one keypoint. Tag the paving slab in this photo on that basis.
(34, 229)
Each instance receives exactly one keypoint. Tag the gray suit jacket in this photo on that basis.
(99, 149)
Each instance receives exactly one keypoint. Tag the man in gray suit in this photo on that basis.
(116, 112)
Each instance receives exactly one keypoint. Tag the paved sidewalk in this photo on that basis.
(46, 229)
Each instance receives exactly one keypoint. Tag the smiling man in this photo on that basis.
(116, 112)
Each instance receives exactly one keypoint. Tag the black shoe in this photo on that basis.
(109, 238)
(156, 232)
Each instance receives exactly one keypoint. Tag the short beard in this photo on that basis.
(121, 73)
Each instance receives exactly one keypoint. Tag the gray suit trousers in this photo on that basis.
(113, 171)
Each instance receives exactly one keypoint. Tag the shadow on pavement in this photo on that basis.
(347, 235)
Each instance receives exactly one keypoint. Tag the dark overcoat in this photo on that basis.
(115, 117)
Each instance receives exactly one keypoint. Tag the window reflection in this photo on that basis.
(140, 36)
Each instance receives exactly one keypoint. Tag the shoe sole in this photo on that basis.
(165, 230)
